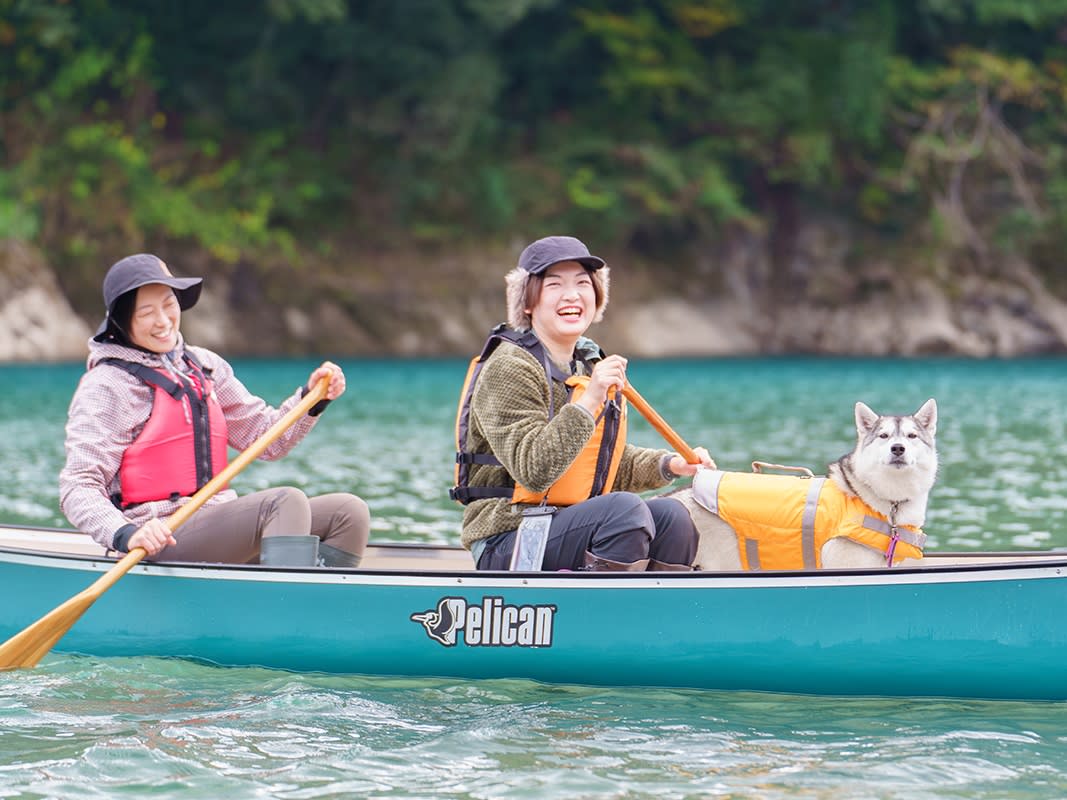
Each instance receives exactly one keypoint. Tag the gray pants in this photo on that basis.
(231, 532)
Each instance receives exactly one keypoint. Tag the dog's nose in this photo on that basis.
(897, 449)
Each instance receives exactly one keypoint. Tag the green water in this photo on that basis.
(79, 727)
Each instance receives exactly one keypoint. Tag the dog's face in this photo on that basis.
(897, 448)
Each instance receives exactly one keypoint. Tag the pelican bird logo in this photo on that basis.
(440, 623)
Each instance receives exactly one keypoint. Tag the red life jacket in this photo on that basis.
(182, 446)
(593, 471)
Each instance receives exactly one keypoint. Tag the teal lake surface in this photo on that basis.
(79, 727)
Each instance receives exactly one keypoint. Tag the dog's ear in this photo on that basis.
(866, 419)
(927, 416)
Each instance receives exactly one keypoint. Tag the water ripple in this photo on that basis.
(1002, 484)
(83, 728)
(79, 727)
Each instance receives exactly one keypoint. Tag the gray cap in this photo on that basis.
(543, 253)
(139, 270)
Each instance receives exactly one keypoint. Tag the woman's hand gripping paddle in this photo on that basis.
(657, 422)
(29, 646)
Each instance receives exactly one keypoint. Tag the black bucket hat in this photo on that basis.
(542, 254)
(133, 272)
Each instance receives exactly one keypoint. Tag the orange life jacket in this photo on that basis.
(591, 473)
(782, 521)
(182, 446)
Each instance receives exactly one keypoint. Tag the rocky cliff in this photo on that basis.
(407, 304)
(36, 319)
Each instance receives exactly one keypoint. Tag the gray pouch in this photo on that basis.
(531, 539)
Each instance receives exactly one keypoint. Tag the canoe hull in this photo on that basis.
(985, 631)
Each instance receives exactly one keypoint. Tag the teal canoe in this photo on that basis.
(954, 625)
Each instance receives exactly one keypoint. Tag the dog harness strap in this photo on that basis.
(893, 539)
(752, 554)
(916, 538)
(894, 535)
(876, 524)
(906, 535)
(807, 522)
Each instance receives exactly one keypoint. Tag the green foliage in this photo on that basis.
(311, 10)
(17, 220)
(977, 145)
(1034, 13)
(293, 125)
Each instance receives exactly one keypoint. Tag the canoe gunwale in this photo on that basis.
(1018, 565)
(414, 562)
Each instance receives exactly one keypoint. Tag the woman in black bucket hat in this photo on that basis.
(150, 423)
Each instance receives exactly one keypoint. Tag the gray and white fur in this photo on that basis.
(892, 469)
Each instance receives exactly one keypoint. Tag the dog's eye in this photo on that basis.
(883, 436)
(913, 436)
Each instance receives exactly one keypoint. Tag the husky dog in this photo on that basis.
(867, 513)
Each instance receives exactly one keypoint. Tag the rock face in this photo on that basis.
(434, 308)
(36, 321)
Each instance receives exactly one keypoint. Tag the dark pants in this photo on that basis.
(619, 526)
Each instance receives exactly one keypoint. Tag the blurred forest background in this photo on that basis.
(358, 176)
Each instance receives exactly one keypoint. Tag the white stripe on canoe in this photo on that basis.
(405, 565)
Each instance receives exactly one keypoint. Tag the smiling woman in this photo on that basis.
(150, 426)
(156, 318)
(545, 471)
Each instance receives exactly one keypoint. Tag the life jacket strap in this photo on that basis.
(477, 458)
(465, 494)
(906, 535)
(807, 521)
(148, 375)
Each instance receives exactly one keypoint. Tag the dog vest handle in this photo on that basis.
(759, 466)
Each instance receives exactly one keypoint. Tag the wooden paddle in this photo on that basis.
(660, 424)
(30, 645)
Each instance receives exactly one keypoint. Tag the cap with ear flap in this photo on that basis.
(139, 270)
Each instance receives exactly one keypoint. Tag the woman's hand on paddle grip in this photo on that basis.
(336, 376)
(153, 536)
(682, 468)
(608, 374)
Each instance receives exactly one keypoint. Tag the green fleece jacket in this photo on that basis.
(509, 418)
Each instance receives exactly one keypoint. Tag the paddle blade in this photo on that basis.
(30, 645)
(27, 647)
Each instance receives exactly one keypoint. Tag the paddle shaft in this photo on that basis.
(227, 473)
(660, 424)
(26, 648)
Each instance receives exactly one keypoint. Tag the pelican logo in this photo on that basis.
(491, 623)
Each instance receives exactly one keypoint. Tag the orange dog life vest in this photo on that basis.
(783, 521)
